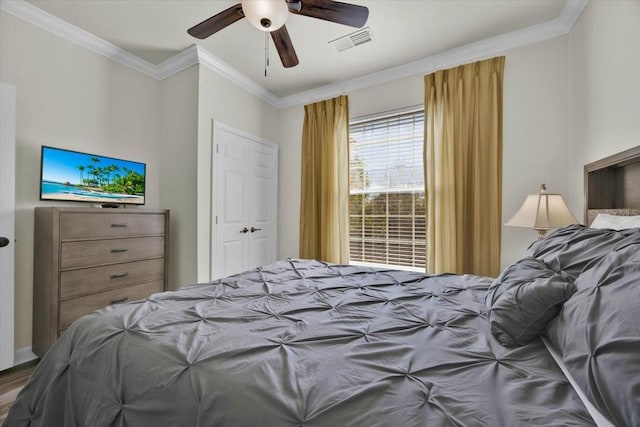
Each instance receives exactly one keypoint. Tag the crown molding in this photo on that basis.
(49, 22)
(570, 13)
(208, 60)
(197, 55)
(464, 54)
(181, 61)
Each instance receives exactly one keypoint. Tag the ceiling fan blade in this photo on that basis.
(285, 47)
(328, 10)
(217, 22)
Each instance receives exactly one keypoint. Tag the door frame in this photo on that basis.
(217, 127)
(7, 222)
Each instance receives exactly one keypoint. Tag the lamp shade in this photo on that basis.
(266, 15)
(543, 211)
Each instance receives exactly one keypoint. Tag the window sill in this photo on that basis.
(390, 266)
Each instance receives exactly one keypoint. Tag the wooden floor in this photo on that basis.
(11, 382)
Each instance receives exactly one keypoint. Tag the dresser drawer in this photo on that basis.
(97, 279)
(73, 309)
(101, 252)
(96, 225)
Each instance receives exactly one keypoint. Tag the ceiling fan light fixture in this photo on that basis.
(266, 15)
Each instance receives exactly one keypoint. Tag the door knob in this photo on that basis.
(3, 242)
(253, 229)
(244, 230)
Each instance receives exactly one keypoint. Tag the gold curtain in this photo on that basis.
(324, 199)
(463, 168)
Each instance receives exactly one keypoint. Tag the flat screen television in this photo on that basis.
(67, 175)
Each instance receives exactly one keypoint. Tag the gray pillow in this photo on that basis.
(523, 299)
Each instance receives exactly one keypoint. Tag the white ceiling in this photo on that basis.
(403, 32)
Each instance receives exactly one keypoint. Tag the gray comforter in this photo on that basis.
(598, 329)
(299, 343)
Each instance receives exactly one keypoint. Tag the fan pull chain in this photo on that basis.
(266, 52)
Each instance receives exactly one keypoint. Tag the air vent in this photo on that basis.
(352, 40)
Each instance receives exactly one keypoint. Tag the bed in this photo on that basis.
(306, 343)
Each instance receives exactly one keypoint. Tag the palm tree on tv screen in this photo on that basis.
(81, 169)
(110, 179)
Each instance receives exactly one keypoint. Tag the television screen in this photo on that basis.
(82, 177)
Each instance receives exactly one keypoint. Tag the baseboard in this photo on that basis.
(23, 355)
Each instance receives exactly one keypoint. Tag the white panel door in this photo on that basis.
(7, 208)
(231, 229)
(262, 205)
(245, 202)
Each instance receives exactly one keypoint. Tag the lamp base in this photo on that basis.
(541, 233)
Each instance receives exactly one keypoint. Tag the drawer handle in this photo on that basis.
(117, 251)
(117, 301)
(119, 225)
(118, 276)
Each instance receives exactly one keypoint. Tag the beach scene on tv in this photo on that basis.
(73, 176)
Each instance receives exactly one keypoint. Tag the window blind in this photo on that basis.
(387, 200)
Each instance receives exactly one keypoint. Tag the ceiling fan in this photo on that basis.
(270, 16)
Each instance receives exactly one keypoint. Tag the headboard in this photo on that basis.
(612, 185)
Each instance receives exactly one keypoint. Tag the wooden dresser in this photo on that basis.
(88, 258)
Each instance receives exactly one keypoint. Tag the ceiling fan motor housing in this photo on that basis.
(266, 15)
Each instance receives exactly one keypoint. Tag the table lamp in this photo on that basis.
(542, 212)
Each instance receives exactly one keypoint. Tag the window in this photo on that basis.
(386, 197)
